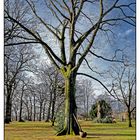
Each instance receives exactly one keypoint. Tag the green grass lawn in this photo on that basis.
(44, 131)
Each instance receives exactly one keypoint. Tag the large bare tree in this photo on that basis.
(70, 40)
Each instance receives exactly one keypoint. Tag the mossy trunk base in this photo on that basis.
(66, 131)
(70, 124)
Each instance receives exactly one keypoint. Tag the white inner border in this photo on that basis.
(138, 71)
(2, 76)
(1, 70)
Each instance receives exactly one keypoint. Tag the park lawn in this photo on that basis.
(44, 131)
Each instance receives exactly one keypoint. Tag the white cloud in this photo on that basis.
(127, 32)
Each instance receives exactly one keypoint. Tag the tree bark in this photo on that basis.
(53, 106)
(129, 118)
(49, 108)
(87, 107)
(8, 109)
(40, 112)
(30, 110)
(34, 109)
(44, 108)
(70, 124)
(20, 113)
(16, 115)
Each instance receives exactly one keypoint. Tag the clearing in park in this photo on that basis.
(44, 131)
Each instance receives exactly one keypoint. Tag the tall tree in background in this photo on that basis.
(74, 41)
(123, 87)
(16, 62)
(87, 91)
(23, 88)
(52, 83)
(84, 96)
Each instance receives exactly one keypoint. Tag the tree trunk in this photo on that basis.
(44, 107)
(98, 110)
(20, 113)
(31, 110)
(8, 109)
(28, 112)
(70, 124)
(87, 106)
(53, 106)
(129, 118)
(34, 109)
(49, 108)
(16, 115)
(40, 112)
(84, 105)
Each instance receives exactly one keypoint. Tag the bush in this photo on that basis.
(107, 119)
(105, 109)
(97, 120)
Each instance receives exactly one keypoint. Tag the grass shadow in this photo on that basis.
(97, 135)
(93, 137)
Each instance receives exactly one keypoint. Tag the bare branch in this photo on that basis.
(106, 59)
(61, 13)
(42, 21)
(46, 46)
(90, 66)
(20, 43)
(109, 91)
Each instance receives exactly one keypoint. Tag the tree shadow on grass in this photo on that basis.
(98, 135)
(92, 137)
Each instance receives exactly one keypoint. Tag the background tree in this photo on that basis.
(123, 87)
(16, 62)
(52, 83)
(84, 97)
(23, 88)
